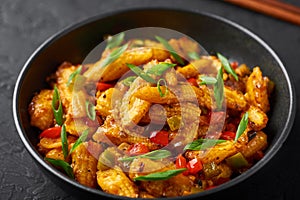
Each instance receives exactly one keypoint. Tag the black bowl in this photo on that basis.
(212, 32)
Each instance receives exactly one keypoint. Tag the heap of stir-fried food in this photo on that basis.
(145, 122)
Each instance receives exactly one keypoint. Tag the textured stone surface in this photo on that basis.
(24, 25)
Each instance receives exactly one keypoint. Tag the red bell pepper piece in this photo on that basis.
(194, 166)
(53, 132)
(181, 163)
(104, 86)
(137, 149)
(234, 64)
(228, 135)
(193, 82)
(160, 137)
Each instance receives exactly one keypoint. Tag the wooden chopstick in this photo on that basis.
(273, 8)
(286, 6)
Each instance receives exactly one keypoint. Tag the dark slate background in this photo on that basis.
(24, 25)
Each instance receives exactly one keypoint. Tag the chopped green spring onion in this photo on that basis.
(160, 68)
(64, 141)
(170, 49)
(219, 89)
(242, 126)
(160, 175)
(153, 155)
(202, 144)
(73, 75)
(159, 89)
(193, 55)
(138, 71)
(207, 80)
(114, 41)
(57, 107)
(90, 110)
(127, 81)
(227, 66)
(64, 165)
(81, 139)
(114, 55)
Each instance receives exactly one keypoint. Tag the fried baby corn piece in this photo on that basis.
(235, 100)
(259, 142)
(182, 93)
(158, 50)
(144, 166)
(174, 186)
(132, 109)
(257, 90)
(214, 154)
(137, 109)
(185, 110)
(51, 143)
(110, 132)
(184, 45)
(75, 126)
(194, 68)
(104, 106)
(257, 118)
(84, 166)
(56, 154)
(40, 110)
(73, 100)
(113, 71)
(114, 181)
(243, 70)
(62, 76)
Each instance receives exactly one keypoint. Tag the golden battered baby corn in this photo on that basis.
(103, 106)
(257, 90)
(114, 181)
(40, 110)
(84, 166)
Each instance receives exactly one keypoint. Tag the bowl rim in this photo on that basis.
(269, 155)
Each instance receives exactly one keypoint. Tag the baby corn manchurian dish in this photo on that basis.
(153, 118)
